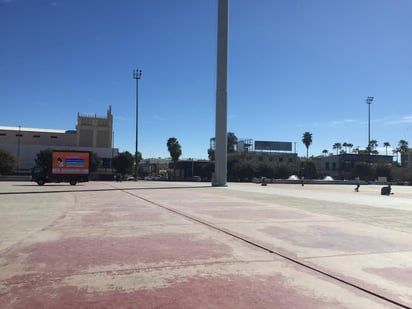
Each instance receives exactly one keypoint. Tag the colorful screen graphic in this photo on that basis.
(66, 162)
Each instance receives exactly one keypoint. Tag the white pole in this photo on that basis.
(220, 178)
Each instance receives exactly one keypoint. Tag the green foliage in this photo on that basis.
(244, 169)
(283, 172)
(265, 170)
(94, 161)
(139, 157)
(44, 159)
(364, 171)
(403, 146)
(211, 154)
(307, 141)
(123, 163)
(174, 148)
(308, 169)
(231, 142)
(7, 162)
(384, 171)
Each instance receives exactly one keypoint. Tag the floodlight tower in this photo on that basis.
(369, 102)
(220, 178)
(137, 74)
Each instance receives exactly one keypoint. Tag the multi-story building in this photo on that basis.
(341, 166)
(94, 133)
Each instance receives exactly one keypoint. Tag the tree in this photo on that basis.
(395, 152)
(345, 145)
(325, 152)
(44, 159)
(308, 169)
(372, 146)
(350, 145)
(403, 149)
(232, 145)
(174, 148)
(403, 146)
(337, 146)
(386, 145)
(94, 161)
(123, 163)
(364, 171)
(211, 154)
(8, 162)
(231, 142)
(307, 141)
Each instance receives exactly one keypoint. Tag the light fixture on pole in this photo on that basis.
(369, 102)
(137, 74)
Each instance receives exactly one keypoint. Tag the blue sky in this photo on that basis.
(294, 66)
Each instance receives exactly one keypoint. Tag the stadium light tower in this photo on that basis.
(137, 74)
(220, 178)
(369, 102)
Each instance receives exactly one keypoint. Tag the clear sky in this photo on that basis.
(294, 66)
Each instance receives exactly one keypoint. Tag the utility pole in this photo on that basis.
(137, 74)
(220, 177)
(369, 102)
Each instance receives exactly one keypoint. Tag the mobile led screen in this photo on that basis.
(70, 162)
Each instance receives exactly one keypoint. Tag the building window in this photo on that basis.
(19, 135)
(36, 136)
(280, 159)
(53, 136)
(3, 134)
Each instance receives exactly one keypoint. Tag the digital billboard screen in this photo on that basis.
(67, 162)
(273, 146)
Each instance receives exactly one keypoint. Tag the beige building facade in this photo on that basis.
(94, 133)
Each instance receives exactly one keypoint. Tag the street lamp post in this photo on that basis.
(137, 74)
(369, 102)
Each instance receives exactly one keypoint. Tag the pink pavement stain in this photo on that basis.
(76, 253)
(211, 292)
(109, 217)
(239, 213)
(317, 236)
(399, 275)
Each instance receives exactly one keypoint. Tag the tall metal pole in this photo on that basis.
(137, 74)
(18, 148)
(220, 178)
(369, 102)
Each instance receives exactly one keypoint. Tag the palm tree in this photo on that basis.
(372, 146)
(337, 146)
(174, 149)
(403, 146)
(350, 145)
(325, 152)
(403, 149)
(386, 145)
(231, 142)
(307, 140)
(345, 144)
(395, 152)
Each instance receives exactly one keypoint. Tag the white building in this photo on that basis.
(93, 133)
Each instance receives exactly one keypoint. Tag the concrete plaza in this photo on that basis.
(189, 245)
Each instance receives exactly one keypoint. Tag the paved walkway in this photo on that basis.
(188, 245)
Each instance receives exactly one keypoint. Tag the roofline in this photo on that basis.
(6, 128)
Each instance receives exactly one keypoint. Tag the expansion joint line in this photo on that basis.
(255, 244)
